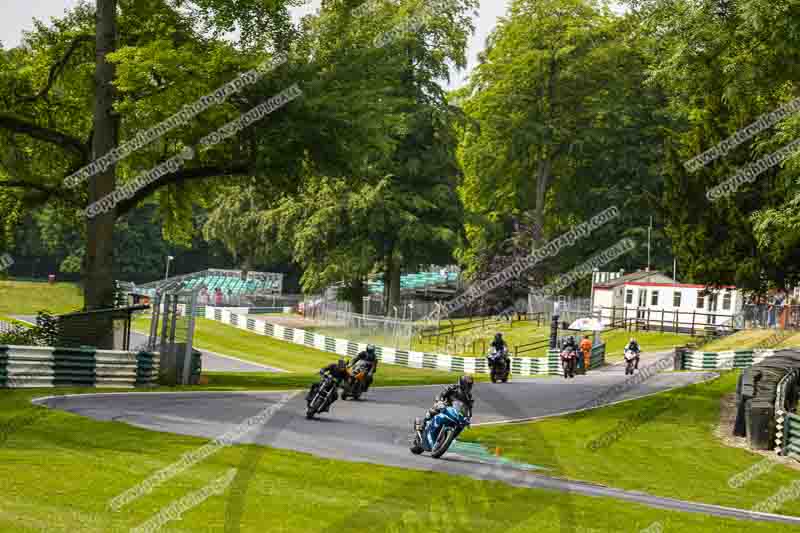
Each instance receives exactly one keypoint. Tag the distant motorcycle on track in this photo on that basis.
(569, 360)
(498, 365)
(630, 361)
(441, 430)
(319, 398)
(356, 384)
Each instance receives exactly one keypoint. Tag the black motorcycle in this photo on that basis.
(499, 367)
(319, 398)
(569, 360)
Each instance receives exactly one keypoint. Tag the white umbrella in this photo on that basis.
(587, 324)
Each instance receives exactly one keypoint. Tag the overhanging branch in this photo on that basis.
(22, 184)
(59, 66)
(18, 124)
(238, 169)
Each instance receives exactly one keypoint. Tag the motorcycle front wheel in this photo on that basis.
(315, 406)
(356, 392)
(444, 441)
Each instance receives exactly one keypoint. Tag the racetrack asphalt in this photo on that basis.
(377, 429)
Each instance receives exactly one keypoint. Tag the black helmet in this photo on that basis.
(465, 383)
(370, 349)
(498, 335)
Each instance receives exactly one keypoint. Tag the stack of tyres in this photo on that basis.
(756, 393)
(761, 428)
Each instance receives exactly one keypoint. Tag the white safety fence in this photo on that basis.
(523, 366)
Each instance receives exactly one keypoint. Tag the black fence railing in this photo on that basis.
(663, 320)
(470, 337)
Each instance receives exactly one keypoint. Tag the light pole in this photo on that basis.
(166, 274)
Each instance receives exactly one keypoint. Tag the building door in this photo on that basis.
(712, 308)
(641, 310)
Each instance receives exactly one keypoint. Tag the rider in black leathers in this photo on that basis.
(461, 391)
(500, 345)
(336, 370)
(570, 344)
(369, 356)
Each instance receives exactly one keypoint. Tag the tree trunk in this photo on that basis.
(99, 277)
(387, 282)
(357, 293)
(394, 294)
(542, 181)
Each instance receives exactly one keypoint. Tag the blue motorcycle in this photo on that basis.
(441, 431)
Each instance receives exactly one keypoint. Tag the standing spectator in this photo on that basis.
(203, 295)
(780, 307)
(761, 311)
(218, 297)
(771, 310)
(586, 348)
(230, 297)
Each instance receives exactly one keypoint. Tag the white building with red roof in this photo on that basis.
(654, 299)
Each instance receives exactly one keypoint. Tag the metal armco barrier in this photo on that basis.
(520, 366)
(597, 357)
(787, 434)
(34, 366)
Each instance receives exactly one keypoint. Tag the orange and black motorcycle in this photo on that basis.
(356, 383)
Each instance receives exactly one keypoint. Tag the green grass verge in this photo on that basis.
(671, 451)
(300, 360)
(58, 471)
(755, 338)
(650, 341)
(28, 297)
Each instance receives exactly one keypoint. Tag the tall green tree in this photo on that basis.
(406, 211)
(721, 65)
(50, 90)
(561, 127)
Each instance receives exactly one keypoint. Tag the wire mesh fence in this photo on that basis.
(333, 318)
(765, 316)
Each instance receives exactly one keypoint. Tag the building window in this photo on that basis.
(654, 298)
(629, 296)
(701, 301)
(726, 301)
(676, 298)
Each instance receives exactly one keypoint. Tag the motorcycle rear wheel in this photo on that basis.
(416, 448)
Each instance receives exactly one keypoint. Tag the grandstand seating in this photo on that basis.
(421, 280)
(231, 285)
